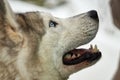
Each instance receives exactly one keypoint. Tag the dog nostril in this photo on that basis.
(93, 14)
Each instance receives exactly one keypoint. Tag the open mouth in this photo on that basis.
(77, 56)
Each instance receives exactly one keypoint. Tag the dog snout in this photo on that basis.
(93, 14)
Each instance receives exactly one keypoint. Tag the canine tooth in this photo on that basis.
(95, 48)
(91, 47)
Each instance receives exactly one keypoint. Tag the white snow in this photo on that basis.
(107, 39)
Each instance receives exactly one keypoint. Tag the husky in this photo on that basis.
(38, 46)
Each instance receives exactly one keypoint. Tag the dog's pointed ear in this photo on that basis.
(7, 14)
(8, 25)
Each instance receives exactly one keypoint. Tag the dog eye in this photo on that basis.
(52, 23)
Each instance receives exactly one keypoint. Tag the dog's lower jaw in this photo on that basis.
(45, 77)
(51, 73)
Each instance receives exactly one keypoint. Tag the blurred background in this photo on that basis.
(107, 39)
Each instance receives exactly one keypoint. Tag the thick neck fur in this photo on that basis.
(22, 61)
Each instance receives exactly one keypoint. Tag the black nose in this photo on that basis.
(93, 14)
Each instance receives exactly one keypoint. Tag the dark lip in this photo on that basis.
(86, 55)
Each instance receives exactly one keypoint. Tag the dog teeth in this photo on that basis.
(91, 46)
(95, 49)
(74, 56)
(78, 55)
(68, 56)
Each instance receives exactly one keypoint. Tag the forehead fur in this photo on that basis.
(31, 21)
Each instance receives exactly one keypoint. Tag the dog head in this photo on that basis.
(48, 42)
(63, 36)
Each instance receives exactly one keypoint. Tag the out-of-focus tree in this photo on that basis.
(48, 3)
(38, 2)
(117, 75)
(115, 6)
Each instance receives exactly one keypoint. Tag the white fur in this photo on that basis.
(34, 55)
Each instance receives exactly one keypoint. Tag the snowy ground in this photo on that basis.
(107, 39)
